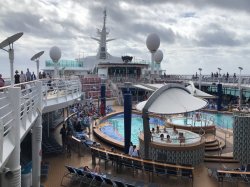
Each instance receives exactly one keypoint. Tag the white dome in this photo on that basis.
(153, 42)
(158, 56)
(55, 53)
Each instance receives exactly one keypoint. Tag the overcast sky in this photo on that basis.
(194, 34)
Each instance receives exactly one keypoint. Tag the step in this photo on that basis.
(220, 160)
(215, 148)
(215, 144)
(210, 141)
(217, 156)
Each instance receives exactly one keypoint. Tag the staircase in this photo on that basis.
(116, 92)
(214, 145)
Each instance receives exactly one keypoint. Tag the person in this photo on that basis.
(175, 130)
(33, 76)
(168, 139)
(40, 75)
(17, 77)
(113, 149)
(63, 133)
(28, 75)
(135, 152)
(49, 85)
(22, 77)
(157, 129)
(44, 75)
(165, 129)
(162, 137)
(198, 116)
(130, 149)
(153, 130)
(2, 83)
(86, 168)
(68, 146)
(96, 170)
(94, 144)
(181, 137)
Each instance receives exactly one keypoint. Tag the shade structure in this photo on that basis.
(171, 99)
(143, 87)
(198, 93)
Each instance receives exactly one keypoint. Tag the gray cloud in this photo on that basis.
(243, 5)
(215, 35)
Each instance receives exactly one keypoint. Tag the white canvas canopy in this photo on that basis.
(143, 87)
(173, 100)
(196, 92)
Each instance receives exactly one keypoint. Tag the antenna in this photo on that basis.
(105, 16)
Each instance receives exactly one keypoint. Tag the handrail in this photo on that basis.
(143, 160)
(29, 105)
(233, 172)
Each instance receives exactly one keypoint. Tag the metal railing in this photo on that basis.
(21, 104)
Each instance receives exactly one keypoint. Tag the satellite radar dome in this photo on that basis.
(55, 53)
(158, 56)
(153, 42)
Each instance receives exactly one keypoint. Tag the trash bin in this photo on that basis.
(26, 175)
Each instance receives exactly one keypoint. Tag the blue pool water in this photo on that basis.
(221, 120)
(115, 126)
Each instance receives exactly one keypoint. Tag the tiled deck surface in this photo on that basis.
(201, 176)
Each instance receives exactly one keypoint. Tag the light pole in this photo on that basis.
(36, 59)
(219, 69)
(153, 43)
(9, 42)
(240, 68)
(55, 55)
(200, 69)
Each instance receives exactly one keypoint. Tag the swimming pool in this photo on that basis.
(219, 119)
(114, 126)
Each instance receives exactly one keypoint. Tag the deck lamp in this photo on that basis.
(219, 69)
(200, 69)
(9, 42)
(240, 68)
(36, 59)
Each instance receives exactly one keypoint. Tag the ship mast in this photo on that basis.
(102, 51)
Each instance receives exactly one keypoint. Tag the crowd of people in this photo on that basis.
(28, 76)
(161, 134)
(77, 124)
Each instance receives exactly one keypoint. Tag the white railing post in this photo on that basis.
(24, 119)
(37, 140)
(1, 139)
(13, 163)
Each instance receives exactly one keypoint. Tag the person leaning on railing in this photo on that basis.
(2, 82)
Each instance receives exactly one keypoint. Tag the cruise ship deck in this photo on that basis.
(202, 176)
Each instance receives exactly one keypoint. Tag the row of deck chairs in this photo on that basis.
(51, 146)
(129, 162)
(238, 176)
(92, 179)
